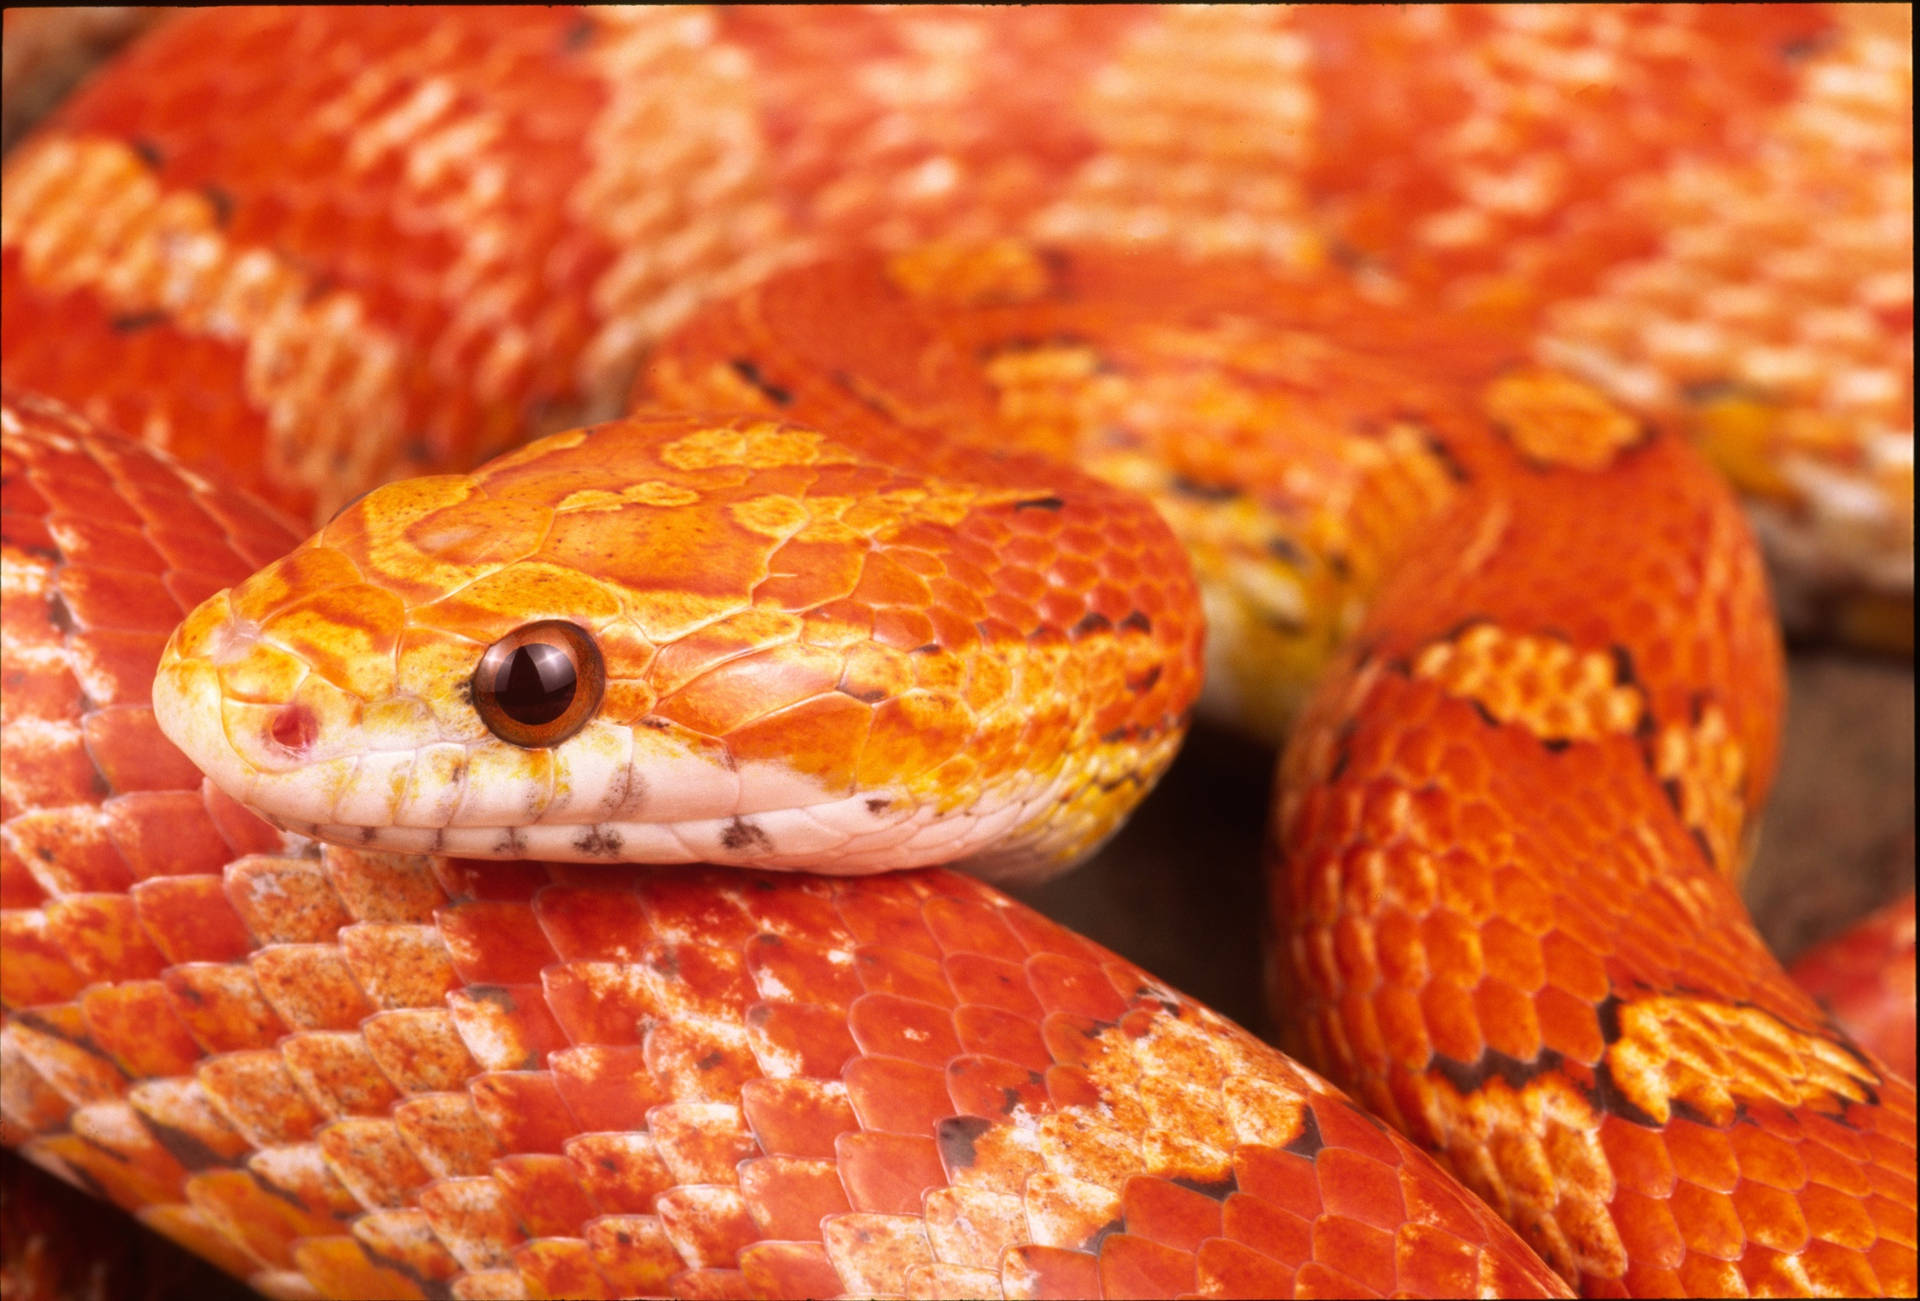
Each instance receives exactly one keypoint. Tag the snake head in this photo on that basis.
(674, 639)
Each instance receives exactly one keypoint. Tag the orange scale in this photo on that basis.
(782, 966)
(953, 615)
(1361, 1253)
(404, 1240)
(896, 1096)
(282, 899)
(1452, 943)
(20, 891)
(701, 1062)
(1345, 1127)
(800, 1037)
(523, 1109)
(1771, 1217)
(912, 734)
(942, 673)
(1708, 1276)
(509, 1027)
(1007, 1036)
(56, 1049)
(1062, 610)
(886, 917)
(1708, 1222)
(694, 978)
(1073, 1042)
(133, 1023)
(560, 1267)
(1892, 1258)
(373, 1160)
(473, 1218)
(1434, 1263)
(91, 542)
(1133, 1266)
(1452, 1021)
(769, 1269)
(64, 482)
(1070, 1087)
(968, 927)
(1073, 573)
(1052, 1273)
(886, 970)
(221, 1007)
(993, 982)
(797, 1118)
(576, 924)
(708, 1226)
(621, 1172)
(1702, 1156)
(888, 1174)
(262, 1224)
(1360, 1187)
(1568, 1025)
(802, 911)
(340, 1266)
(1832, 1136)
(445, 1134)
(495, 942)
(905, 627)
(590, 1003)
(1073, 987)
(1512, 954)
(885, 1025)
(189, 919)
(884, 582)
(1280, 1230)
(101, 938)
(1402, 1028)
(131, 754)
(1768, 1159)
(419, 1050)
(990, 1086)
(1889, 1180)
(1575, 967)
(789, 1196)
(1228, 1268)
(398, 965)
(824, 737)
(1836, 1271)
(1365, 1039)
(1507, 1020)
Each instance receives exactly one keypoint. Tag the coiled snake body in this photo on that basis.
(864, 619)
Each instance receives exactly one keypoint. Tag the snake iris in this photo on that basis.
(855, 613)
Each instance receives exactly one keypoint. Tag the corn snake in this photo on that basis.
(214, 357)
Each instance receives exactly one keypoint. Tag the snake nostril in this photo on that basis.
(293, 729)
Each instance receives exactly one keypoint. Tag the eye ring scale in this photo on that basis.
(539, 684)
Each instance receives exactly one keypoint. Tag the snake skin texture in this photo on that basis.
(1864, 976)
(378, 1075)
(303, 252)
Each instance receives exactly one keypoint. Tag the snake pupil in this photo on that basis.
(538, 684)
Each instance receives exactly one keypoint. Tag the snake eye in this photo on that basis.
(539, 684)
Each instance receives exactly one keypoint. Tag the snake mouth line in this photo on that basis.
(850, 837)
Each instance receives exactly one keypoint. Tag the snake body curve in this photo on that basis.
(422, 1074)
